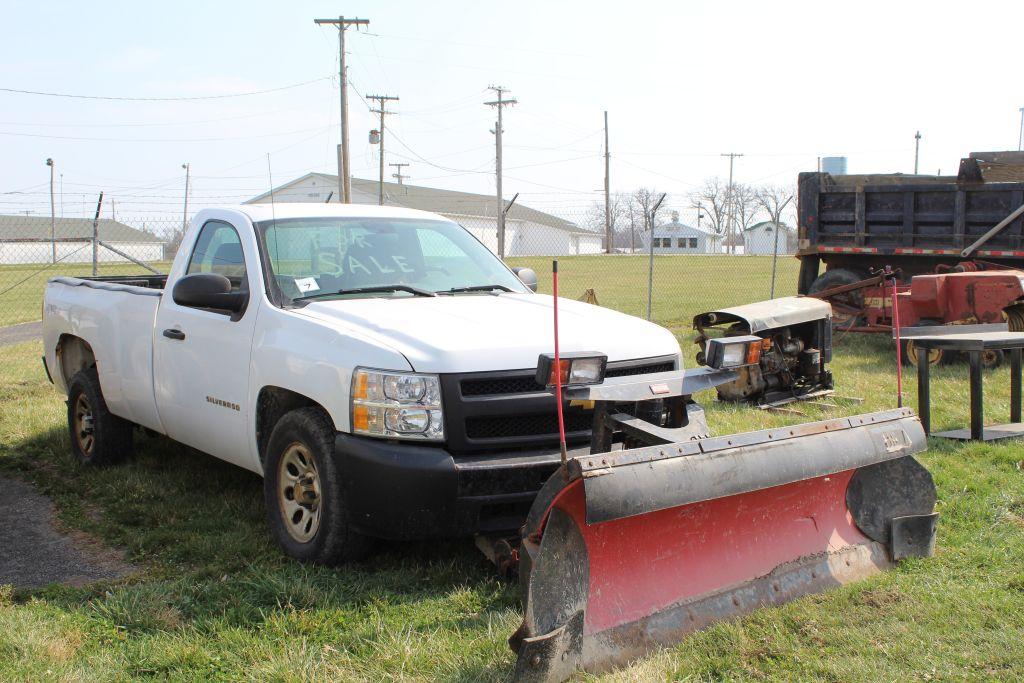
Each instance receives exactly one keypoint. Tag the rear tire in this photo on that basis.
(302, 487)
(836, 277)
(98, 437)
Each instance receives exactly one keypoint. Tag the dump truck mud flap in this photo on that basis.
(634, 549)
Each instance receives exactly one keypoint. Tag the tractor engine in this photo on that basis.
(788, 363)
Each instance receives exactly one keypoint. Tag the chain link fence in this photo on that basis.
(670, 274)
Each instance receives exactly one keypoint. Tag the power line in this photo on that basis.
(164, 99)
(319, 129)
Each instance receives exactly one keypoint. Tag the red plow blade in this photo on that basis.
(635, 549)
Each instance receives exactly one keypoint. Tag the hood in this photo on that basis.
(477, 333)
(768, 315)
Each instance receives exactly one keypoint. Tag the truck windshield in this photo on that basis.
(310, 257)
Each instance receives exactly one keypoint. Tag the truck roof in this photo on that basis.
(266, 212)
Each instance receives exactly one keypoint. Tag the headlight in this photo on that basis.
(577, 369)
(397, 405)
(733, 352)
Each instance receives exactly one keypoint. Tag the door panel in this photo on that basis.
(201, 357)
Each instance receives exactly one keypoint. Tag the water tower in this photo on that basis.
(833, 165)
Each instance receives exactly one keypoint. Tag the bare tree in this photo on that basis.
(745, 206)
(712, 201)
(618, 210)
(644, 200)
(773, 200)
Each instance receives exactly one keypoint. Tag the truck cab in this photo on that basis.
(376, 365)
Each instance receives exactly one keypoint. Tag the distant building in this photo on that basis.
(528, 232)
(26, 239)
(674, 237)
(760, 238)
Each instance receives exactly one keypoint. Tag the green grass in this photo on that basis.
(21, 287)
(215, 600)
(683, 285)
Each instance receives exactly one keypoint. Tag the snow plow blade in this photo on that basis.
(634, 549)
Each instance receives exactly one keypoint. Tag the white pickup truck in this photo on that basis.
(375, 365)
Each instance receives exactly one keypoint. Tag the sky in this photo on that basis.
(783, 83)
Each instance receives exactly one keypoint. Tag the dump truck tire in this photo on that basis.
(837, 277)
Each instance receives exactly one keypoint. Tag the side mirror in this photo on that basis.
(528, 277)
(208, 290)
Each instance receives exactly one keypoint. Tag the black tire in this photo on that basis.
(98, 437)
(836, 277)
(302, 488)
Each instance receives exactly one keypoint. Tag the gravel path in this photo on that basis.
(33, 553)
(15, 334)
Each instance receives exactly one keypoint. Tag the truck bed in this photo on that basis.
(147, 281)
(893, 215)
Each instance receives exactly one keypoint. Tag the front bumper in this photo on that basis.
(405, 491)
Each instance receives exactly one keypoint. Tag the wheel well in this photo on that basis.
(271, 405)
(74, 355)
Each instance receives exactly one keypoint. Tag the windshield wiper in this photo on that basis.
(475, 288)
(417, 291)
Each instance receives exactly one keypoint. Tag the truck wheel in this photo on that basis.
(98, 437)
(836, 277)
(306, 510)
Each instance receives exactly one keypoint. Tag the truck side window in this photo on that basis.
(219, 250)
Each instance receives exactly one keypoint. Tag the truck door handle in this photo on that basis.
(174, 334)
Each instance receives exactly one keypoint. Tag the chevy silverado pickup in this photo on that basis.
(377, 366)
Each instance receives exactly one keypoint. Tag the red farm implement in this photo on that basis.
(973, 292)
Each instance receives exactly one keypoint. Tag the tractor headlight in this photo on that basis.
(397, 405)
(577, 369)
(733, 352)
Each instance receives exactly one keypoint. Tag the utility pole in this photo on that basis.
(344, 169)
(1020, 140)
(917, 149)
(381, 99)
(607, 192)
(398, 175)
(184, 215)
(53, 216)
(731, 225)
(500, 104)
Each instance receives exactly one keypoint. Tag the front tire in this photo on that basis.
(98, 437)
(305, 503)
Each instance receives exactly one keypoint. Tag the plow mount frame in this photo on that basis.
(629, 550)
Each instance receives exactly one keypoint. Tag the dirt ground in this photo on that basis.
(36, 553)
(15, 334)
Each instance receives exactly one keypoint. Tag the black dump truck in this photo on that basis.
(853, 223)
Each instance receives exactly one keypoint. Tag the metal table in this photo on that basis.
(972, 340)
